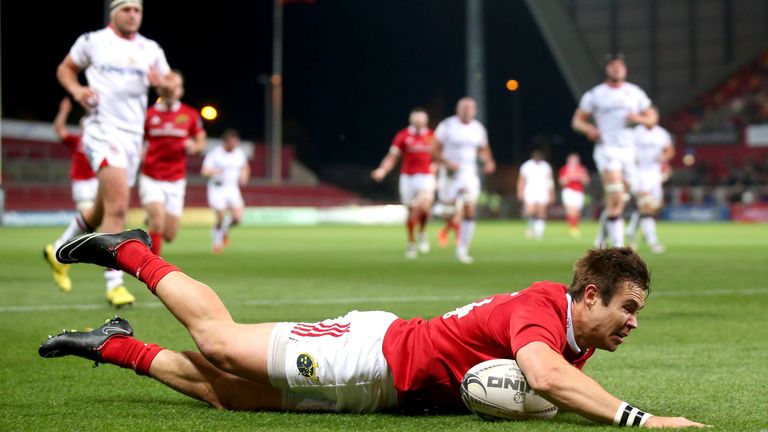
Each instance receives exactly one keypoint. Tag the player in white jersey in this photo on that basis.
(615, 106)
(459, 141)
(120, 64)
(536, 190)
(226, 167)
(654, 148)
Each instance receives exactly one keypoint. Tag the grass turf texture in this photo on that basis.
(700, 350)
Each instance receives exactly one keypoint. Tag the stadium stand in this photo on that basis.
(38, 177)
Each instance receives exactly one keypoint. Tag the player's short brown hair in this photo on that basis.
(609, 269)
(230, 133)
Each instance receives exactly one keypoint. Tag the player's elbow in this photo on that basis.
(546, 381)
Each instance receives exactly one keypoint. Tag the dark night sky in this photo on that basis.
(352, 71)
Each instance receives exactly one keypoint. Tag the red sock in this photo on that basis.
(157, 242)
(573, 221)
(129, 353)
(423, 216)
(411, 224)
(134, 258)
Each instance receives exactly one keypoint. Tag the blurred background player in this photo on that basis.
(654, 148)
(172, 130)
(226, 167)
(573, 177)
(417, 181)
(536, 190)
(84, 182)
(615, 106)
(120, 64)
(459, 141)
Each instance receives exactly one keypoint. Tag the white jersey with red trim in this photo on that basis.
(610, 107)
(461, 141)
(117, 70)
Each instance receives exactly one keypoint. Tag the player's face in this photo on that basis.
(616, 70)
(573, 160)
(231, 142)
(127, 20)
(419, 119)
(466, 110)
(612, 323)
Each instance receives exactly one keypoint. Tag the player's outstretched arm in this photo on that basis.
(60, 121)
(551, 376)
(386, 164)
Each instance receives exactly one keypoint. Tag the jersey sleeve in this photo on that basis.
(398, 141)
(587, 102)
(208, 160)
(644, 102)
(196, 125)
(440, 132)
(81, 51)
(483, 135)
(561, 173)
(667, 141)
(535, 321)
(161, 63)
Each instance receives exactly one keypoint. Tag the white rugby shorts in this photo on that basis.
(536, 195)
(84, 192)
(170, 193)
(414, 187)
(119, 148)
(224, 197)
(572, 198)
(333, 365)
(615, 159)
(649, 182)
(464, 187)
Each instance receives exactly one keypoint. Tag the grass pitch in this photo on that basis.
(701, 349)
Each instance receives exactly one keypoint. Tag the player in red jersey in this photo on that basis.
(371, 361)
(84, 182)
(172, 130)
(417, 179)
(572, 178)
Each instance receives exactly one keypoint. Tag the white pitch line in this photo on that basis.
(362, 300)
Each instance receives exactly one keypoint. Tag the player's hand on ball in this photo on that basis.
(673, 422)
(86, 97)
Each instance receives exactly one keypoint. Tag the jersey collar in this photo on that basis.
(163, 107)
(570, 337)
(422, 132)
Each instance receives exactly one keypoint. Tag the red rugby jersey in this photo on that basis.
(80, 168)
(416, 150)
(166, 131)
(429, 358)
(573, 184)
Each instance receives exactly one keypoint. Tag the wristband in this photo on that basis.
(627, 415)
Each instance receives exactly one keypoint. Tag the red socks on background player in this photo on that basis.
(157, 242)
(135, 258)
(573, 221)
(129, 353)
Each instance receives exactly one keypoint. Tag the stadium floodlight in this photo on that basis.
(209, 113)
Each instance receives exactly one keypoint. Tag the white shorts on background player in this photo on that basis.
(84, 191)
(169, 193)
(536, 195)
(616, 159)
(333, 365)
(224, 197)
(119, 148)
(649, 182)
(572, 198)
(453, 188)
(414, 187)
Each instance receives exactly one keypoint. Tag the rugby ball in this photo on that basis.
(497, 390)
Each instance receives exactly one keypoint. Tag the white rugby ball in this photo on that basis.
(497, 390)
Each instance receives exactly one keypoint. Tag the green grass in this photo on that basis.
(701, 350)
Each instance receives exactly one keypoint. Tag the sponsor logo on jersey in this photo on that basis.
(307, 366)
(181, 118)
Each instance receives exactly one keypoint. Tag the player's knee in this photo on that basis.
(614, 188)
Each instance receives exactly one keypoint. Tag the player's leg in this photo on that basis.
(157, 217)
(613, 182)
(540, 210)
(174, 207)
(114, 190)
(529, 218)
(408, 198)
(217, 233)
(649, 205)
(469, 192)
(235, 348)
(423, 207)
